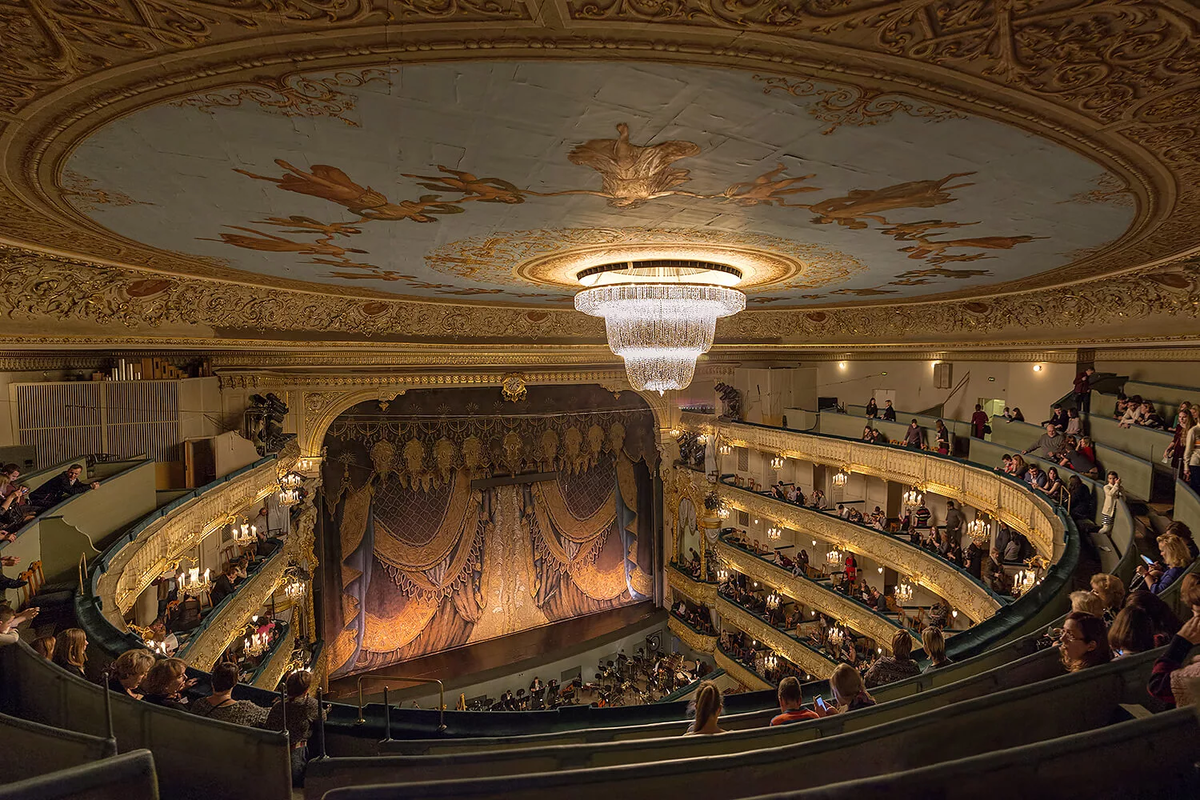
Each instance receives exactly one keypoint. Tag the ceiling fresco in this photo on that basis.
(494, 181)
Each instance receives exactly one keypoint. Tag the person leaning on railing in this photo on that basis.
(60, 487)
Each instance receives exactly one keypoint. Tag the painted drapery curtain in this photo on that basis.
(425, 561)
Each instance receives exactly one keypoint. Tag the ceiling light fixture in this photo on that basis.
(660, 316)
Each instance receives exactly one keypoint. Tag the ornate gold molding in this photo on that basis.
(812, 595)
(697, 642)
(973, 486)
(923, 567)
(164, 543)
(697, 592)
(808, 660)
(750, 680)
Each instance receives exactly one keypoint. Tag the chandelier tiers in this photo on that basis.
(660, 316)
(980, 531)
(904, 592)
(841, 477)
(777, 463)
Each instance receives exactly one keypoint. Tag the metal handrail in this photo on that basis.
(387, 708)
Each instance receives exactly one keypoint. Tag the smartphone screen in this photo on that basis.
(821, 703)
(1147, 560)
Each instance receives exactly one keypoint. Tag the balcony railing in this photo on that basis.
(1000, 496)
(962, 589)
(798, 652)
(698, 641)
(701, 592)
(805, 590)
(740, 672)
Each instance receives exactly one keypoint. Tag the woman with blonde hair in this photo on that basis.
(935, 647)
(1111, 592)
(849, 693)
(1177, 558)
(1087, 602)
(708, 709)
(70, 651)
(128, 672)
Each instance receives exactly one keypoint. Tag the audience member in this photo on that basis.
(1131, 632)
(221, 705)
(1113, 494)
(1111, 592)
(1047, 444)
(165, 683)
(896, 666)
(224, 583)
(1170, 680)
(791, 702)
(889, 413)
(44, 647)
(128, 671)
(1166, 623)
(10, 620)
(301, 714)
(708, 710)
(849, 693)
(1177, 558)
(1074, 423)
(70, 651)
(1087, 602)
(979, 422)
(1084, 642)
(1083, 389)
(1080, 500)
(1191, 455)
(913, 437)
(872, 409)
(935, 647)
(60, 487)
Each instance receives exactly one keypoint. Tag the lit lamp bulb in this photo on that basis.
(777, 463)
(840, 478)
(725, 449)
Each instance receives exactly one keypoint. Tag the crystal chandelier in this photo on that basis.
(245, 534)
(904, 592)
(1023, 581)
(660, 316)
(836, 637)
(840, 478)
(834, 556)
(256, 644)
(773, 601)
(722, 575)
(770, 662)
(913, 497)
(777, 463)
(725, 449)
(193, 584)
(980, 531)
(774, 532)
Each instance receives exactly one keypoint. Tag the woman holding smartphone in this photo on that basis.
(849, 693)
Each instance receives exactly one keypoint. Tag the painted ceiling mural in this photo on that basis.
(494, 181)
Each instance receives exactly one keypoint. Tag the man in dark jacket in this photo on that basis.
(60, 487)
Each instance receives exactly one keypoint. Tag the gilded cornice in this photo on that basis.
(696, 641)
(748, 679)
(917, 563)
(277, 665)
(1079, 72)
(973, 486)
(811, 595)
(164, 543)
(697, 592)
(811, 662)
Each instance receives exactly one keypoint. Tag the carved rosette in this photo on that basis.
(803, 657)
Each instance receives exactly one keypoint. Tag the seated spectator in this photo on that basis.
(44, 645)
(1177, 558)
(1088, 603)
(854, 515)
(10, 620)
(1075, 458)
(1008, 414)
(128, 671)
(60, 487)
(1131, 632)
(1182, 530)
(935, 647)
(1017, 416)
(161, 636)
(224, 583)
(872, 409)
(221, 705)
(1121, 406)
(1084, 642)
(895, 667)
(868, 434)
(15, 510)
(1054, 484)
(914, 437)
(1088, 448)
(818, 499)
(8, 478)
(1018, 467)
(1111, 592)
(1047, 444)
(791, 703)
(1166, 623)
(1135, 413)
(1035, 477)
(1170, 680)
(842, 511)
(70, 651)
(889, 413)
(849, 693)
(1058, 417)
(1074, 423)
(165, 683)
(302, 711)
(1080, 500)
